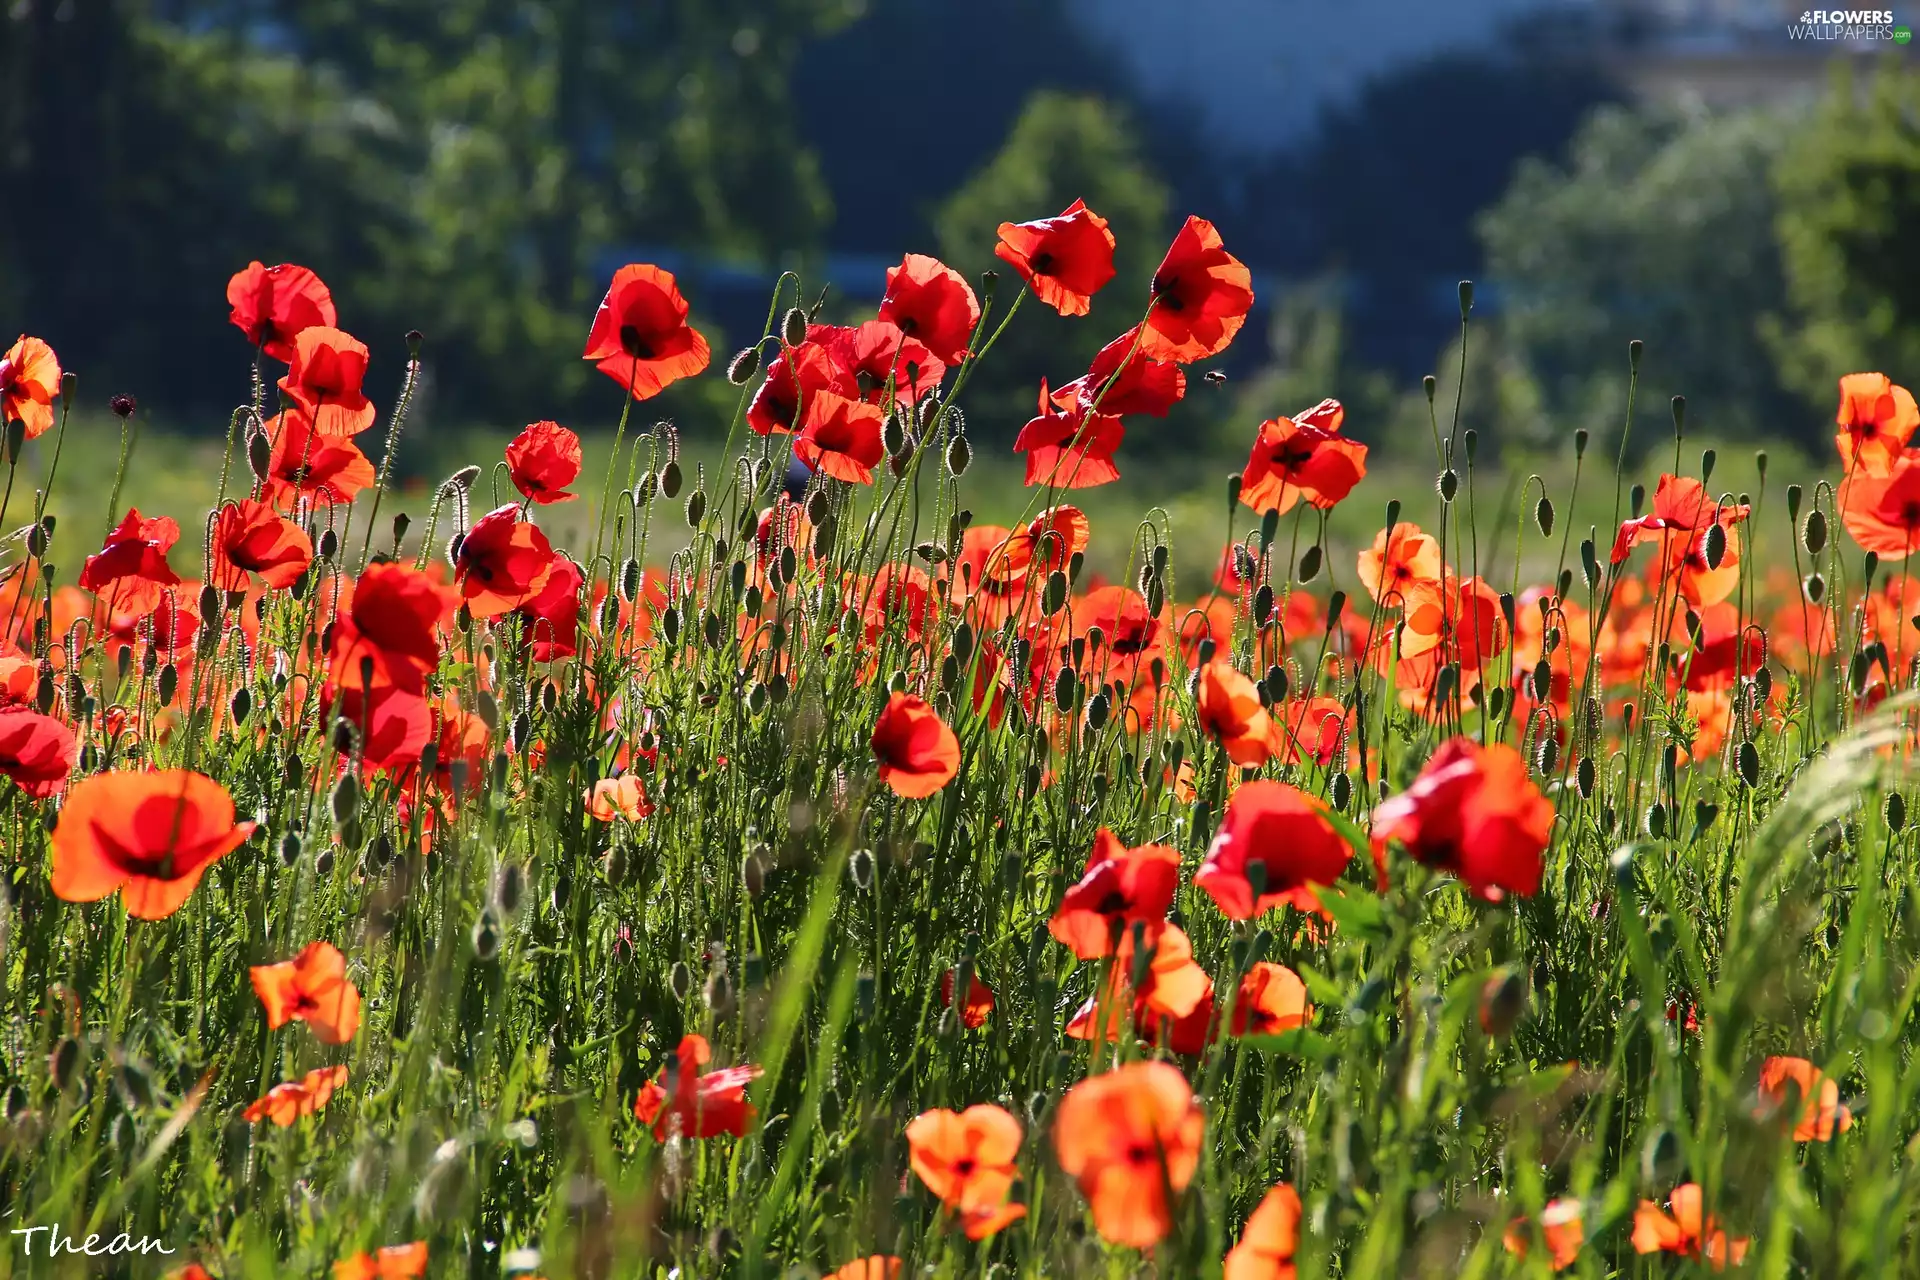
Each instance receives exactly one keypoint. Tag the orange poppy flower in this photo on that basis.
(1144, 385)
(1269, 1240)
(306, 464)
(323, 379)
(1400, 561)
(918, 754)
(1070, 533)
(1120, 887)
(877, 353)
(1272, 999)
(285, 1103)
(877, 1267)
(1302, 457)
(151, 836)
(192, 1271)
(131, 571)
(1454, 622)
(543, 460)
(251, 537)
(1229, 711)
(29, 380)
(992, 574)
(794, 378)
(1687, 1231)
(979, 1224)
(37, 752)
(840, 437)
(313, 988)
(1201, 296)
(1284, 833)
(965, 1158)
(1319, 729)
(395, 1262)
(1475, 813)
(550, 621)
(933, 303)
(1883, 512)
(1065, 260)
(1876, 419)
(1174, 992)
(1681, 521)
(1072, 449)
(695, 1105)
(978, 1004)
(1213, 620)
(1821, 1115)
(273, 306)
(503, 562)
(622, 797)
(1128, 1137)
(640, 336)
(393, 618)
(1562, 1228)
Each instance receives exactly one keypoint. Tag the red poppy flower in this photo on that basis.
(36, 751)
(918, 754)
(841, 437)
(251, 537)
(1688, 1232)
(392, 618)
(1269, 1240)
(1295, 458)
(1064, 260)
(503, 563)
(1820, 1114)
(876, 352)
(394, 1262)
(1319, 729)
(1175, 995)
(1401, 561)
(151, 836)
(543, 460)
(966, 1158)
(640, 336)
(990, 574)
(316, 467)
(395, 723)
(978, 1004)
(324, 380)
(1130, 1137)
(1883, 512)
(273, 306)
(1230, 713)
(29, 380)
(1201, 296)
(550, 621)
(286, 1103)
(1072, 449)
(1562, 1228)
(1285, 833)
(1129, 637)
(1272, 999)
(1682, 512)
(131, 571)
(931, 302)
(1145, 385)
(1877, 419)
(313, 988)
(1474, 812)
(695, 1105)
(1120, 887)
(796, 375)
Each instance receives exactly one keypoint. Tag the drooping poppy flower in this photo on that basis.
(1401, 561)
(796, 375)
(1272, 999)
(918, 753)
(550, 621)
(503, 562)
(1883, 512)
(876, 353)
(1681, 521)
(130, 573)
(1687, 1231)
(251, 537)
(640, 336)
(313, 988)
(38, 752)
(840, 437)
(1821, 1114)
(273, 306)
(1121, 886)
(933, 303)
(623, 797)
(394, 1262)
(1065, 260)
(966, 1159)
(1173, 988)
(29, 380)
(1876, 420)
(877, 1267)
(1128, 1137)
(392, 618)
(285, 1103)
(323, 380)
(978, 1004)
(1201, 296)
(695, 1105)
(1472, 812)
(1070, 449)
(1304, 457)
(151, 836)
(1561, 1227)
(1229, 712)
(1144, 385)
(543, 460)
(304, 464)
(1269, 1240)
(1279, 836)
(395, 723)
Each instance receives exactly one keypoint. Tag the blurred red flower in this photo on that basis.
(543, 460)
(38, 752)
(918, 753)
(1475, 813)
(285, 1103)
(1120, 887)
(313, 988)
(1269, 1240)
(29, 380)
(1876, 419)
(695, 1105)
(151, 836)
(1130, 1137)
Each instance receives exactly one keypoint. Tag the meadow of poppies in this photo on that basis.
(799, 877)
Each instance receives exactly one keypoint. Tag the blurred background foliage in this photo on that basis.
(475, 169)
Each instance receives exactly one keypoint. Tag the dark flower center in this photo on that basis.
(634, 344)
(1167, 294)
(1041, 262)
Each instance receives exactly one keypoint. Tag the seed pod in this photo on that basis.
(1310, 563)
(696, 507)
(744, 365)
(1543, 515)
(793, 327)
(1813, 535)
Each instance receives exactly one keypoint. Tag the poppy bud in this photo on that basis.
(959, 456)
(329, 545)
(39, 536)
(1583, 777)
(488, 709)
(259, 455)
(1097, 708)
(743, 366)
(1747, 761)
(1896, 812)
(1496, 702)
(345, 800)
(1857, 670)
(462, 480)
(670, 479)
(1063, 689)
(380, 852)
(1589, 564)
(1263, 605)
(719, 991)
(793, 327)
(1763, 683)
(860, 867)
(290, 848)
(413, 340)
(1816, 588)
(1813, 534)
(1543, 515)
(1340, 793)
(1657, 820)
(1580, 438)
(43, 694)
(1661, 1159)
(169, 683)
(1310, 563)
(1547, 755)
(1447, 484)
(486, 938)
(1466, 299)
(1055, 594)
(696, 508)
(1503, 999)
(63, 1064)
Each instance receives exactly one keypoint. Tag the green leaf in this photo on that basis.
(1301, 1042)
